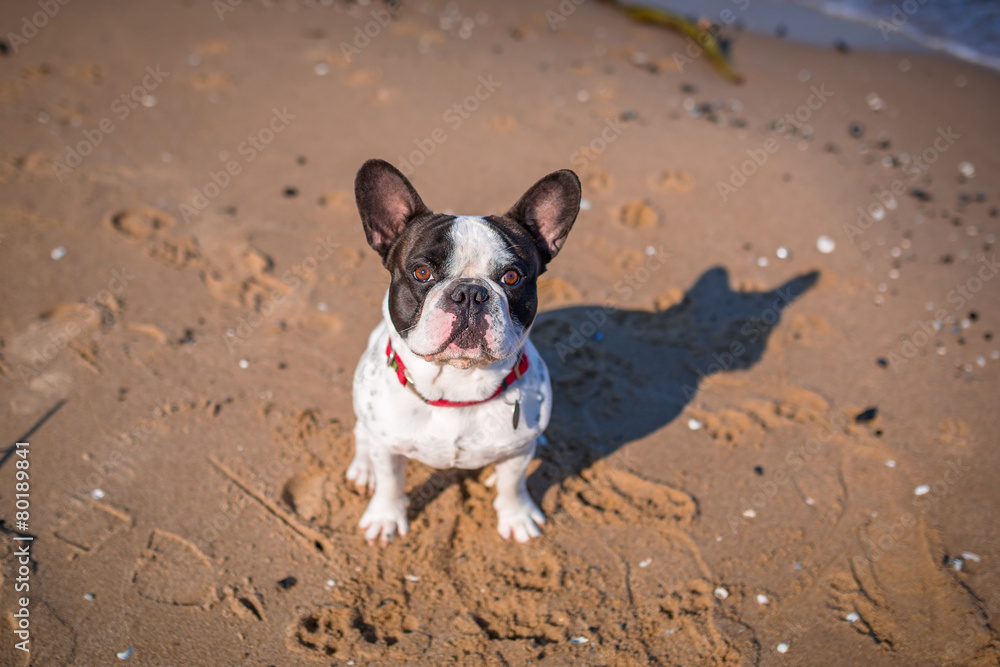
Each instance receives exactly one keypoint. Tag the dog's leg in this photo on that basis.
(386, 513)
(361, 471)
(517, 514)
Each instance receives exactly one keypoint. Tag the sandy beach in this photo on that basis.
(772, 334)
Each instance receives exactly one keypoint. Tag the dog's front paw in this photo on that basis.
(520, 518)
(383, 520)
(362, 474)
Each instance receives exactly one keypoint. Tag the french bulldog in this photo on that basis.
(449, 377)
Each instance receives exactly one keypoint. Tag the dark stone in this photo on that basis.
(868, 415)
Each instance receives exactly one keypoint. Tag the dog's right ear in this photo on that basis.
(387, 203)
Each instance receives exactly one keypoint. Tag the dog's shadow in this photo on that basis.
(619, 375)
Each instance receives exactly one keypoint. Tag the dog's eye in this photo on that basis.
(511, 278)
(422, 273)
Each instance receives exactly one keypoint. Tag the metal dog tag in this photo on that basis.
(517, 413)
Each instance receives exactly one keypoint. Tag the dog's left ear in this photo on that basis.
(387, 202)
(548, 210)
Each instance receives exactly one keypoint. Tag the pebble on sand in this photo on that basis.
(126, 654)
(694, 424)
(853, 617)
(781, 648)
(244, 363)
(58, 253)
(721, 593)
(646, 562)
(868, 415)
(921, 490)
(825, 245)
(967, 169)
(579, 640)
(762, 599)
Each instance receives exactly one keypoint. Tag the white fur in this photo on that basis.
(395, 425)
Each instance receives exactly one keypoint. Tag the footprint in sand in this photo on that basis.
(599, 182)
(58, 647)
(152, 227)
(908, 603)
(172, 570)
(59, 644)
(211, 81)
(86, 531)
(306, 493)
(672, 180)
(245, 280)
(638, 215)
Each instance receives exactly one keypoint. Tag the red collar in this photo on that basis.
(396, 364)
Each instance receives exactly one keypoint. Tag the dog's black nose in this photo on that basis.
(470, 294)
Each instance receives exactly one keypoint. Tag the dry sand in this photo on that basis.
(711, 496)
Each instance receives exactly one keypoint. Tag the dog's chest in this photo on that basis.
(450, 437)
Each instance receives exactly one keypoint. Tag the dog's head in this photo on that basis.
(463, 288)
